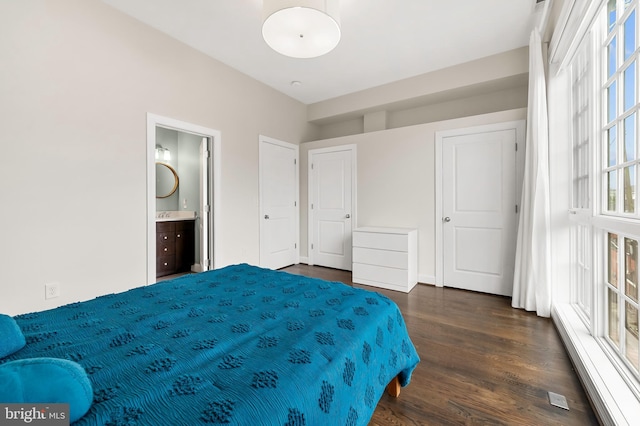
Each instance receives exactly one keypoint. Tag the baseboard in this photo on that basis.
(611, 397)
(426, 279)
(304, 259)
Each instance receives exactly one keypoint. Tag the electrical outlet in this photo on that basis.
(51, 290)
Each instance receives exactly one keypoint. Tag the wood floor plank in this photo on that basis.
(482, 362)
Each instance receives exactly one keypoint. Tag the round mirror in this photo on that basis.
(166, 180)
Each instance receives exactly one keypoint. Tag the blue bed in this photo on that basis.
(240, 345)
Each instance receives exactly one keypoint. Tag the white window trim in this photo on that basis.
(574, 22)
(615, 399)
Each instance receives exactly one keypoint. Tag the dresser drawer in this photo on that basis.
(395, 242)
(380, 275)
(165, 264)
(164, 238)
(165, 227)
(391, 259)
(164, 249)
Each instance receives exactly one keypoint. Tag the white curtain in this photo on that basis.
(532, 279)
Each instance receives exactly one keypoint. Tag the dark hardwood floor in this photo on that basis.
(482, 362)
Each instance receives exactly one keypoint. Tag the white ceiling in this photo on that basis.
(382, 40)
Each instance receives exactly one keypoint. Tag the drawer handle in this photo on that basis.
(166, 249)
(348, 216)
(166, 238)
(178, 236)
(165, 263)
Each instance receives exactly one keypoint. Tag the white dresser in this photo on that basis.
(386, 257)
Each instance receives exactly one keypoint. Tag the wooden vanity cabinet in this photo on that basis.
(175, 247)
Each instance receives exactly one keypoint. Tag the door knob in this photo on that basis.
(348, 216)
(266, 216)
(447, 219)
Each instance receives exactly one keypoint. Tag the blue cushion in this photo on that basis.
(47, 380)
(11, 337)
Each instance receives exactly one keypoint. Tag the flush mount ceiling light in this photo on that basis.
(301, 28)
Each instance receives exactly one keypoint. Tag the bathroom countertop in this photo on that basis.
(171, 216)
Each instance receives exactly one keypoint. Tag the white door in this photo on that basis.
(479, 212)
(203, 235)
(278, 203)
(331, 182)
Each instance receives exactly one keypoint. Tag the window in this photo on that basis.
(582, 119)
(622, 297)
(619, 180)
(582, 246)
(621, 110)
(582, 122)
(596, 55)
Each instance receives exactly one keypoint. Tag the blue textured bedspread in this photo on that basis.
(240, 345)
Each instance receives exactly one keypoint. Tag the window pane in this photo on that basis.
(612, 315)
(584, 160)
(611, 63)
(630, 138)
(611, 14)
(611, 102)
(586, 241)
(584, 190)
(629, 189)
(613, 146)
(613, 260)
(582, 281)
(630, 266)
(630, 35)
(630, 86)
(613, 190)
(631, 334)
(576, 179)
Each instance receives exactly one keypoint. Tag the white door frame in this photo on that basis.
(520, 127)
(311, 183)
(265, 139)
(154, 121)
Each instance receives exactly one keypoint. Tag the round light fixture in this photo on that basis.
(302, 28)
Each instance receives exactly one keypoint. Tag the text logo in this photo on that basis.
(34, 414)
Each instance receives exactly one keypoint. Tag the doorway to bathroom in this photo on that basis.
(183, 179)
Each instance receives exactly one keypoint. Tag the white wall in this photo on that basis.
(168, 139)
(498, 100)
(189, 171)
(396, 179)
(463, 82)
(76, 82)
(444, 108)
